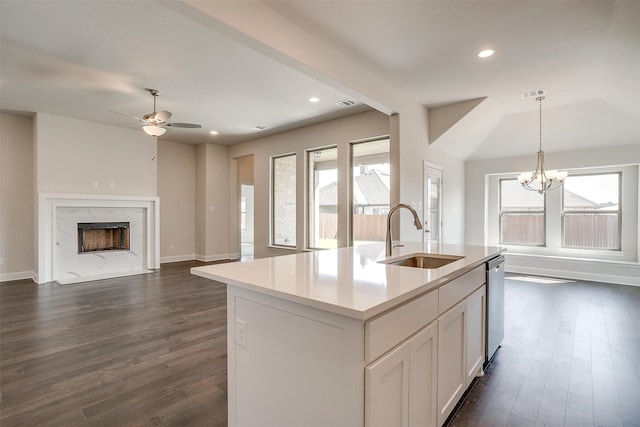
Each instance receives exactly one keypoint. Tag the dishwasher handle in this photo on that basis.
(495, 262)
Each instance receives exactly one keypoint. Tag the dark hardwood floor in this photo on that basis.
(140, 350)
(151, 350)
(570, 357)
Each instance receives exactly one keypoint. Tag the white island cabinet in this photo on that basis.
(461, 335)
(337, 338)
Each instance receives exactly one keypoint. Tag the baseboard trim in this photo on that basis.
(177, 258)
(602, 271)
(18, 275)
(196, 257)
(218, 257)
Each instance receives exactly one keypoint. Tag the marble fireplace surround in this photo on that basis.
(58, 215)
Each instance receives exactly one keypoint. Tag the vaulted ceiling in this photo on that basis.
(78, 59)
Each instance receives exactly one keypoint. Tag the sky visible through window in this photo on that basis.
(601, 188)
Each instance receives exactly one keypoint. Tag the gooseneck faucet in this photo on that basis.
(416, 221)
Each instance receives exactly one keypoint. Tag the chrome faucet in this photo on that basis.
(416, 221)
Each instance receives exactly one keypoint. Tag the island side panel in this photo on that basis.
(294, 366)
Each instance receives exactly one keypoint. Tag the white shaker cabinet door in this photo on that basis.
(387, 389)
(423, 386)
(475, 331)
(451, 360)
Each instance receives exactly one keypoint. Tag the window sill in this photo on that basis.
(571, 257)
(286, 248)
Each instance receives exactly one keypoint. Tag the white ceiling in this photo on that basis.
(79, 59)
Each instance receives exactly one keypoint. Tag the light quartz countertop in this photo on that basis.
(347, 281)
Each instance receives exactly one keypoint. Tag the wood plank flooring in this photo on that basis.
(151, 351)
(570, 357)
(139, 350)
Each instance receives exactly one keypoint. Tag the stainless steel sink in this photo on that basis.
(424, 260)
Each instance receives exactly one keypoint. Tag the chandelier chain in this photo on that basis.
(540, 99)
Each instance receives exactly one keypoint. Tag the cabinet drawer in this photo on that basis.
(389, 329)
(456, 290)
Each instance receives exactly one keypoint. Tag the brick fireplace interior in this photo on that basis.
(103, 236)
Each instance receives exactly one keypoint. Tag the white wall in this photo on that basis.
(16, 197)
(177, 191)
(212, 204)
(414, 149)
(453, 196)
(476, 214)
(73, 154)
(52, 154)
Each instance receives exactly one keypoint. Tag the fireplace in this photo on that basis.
(60, 256)
(103, 236)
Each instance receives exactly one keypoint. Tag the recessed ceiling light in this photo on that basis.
(214, 132)
(486, 53)
(314, 99)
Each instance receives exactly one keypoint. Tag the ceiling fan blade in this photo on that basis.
(183, 125)
(127, 115)
(163, 116)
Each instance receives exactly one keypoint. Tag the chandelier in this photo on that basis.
(541, 179)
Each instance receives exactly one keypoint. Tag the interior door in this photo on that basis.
(432, 214)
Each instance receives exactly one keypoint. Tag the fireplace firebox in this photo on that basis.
(103, 236)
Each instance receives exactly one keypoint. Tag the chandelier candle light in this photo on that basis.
(541, 179)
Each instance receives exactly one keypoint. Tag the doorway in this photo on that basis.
(432, 214)
(246, 207)
(246, 222)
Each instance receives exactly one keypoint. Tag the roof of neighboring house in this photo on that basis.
(518, 198)
(371, 188)
(572, 199)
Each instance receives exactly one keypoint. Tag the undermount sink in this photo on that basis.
(424, 260)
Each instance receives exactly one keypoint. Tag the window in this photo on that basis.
(370, 191)
(522, 215)
(323, 198)
(591, 215)
(283, 190)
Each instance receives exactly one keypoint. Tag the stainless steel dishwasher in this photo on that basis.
(495, 305)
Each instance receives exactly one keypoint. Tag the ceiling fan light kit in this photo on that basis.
(154, 123)
(541, 179)
(154, 130)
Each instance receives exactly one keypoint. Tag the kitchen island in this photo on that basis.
(347, 338)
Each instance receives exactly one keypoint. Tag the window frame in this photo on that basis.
(308, 194)
(272, 222)
(618, 212)
(630, 229)
(501, 213)
(351, 211)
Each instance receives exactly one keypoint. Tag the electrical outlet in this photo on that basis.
(1, 261)
(241, 332)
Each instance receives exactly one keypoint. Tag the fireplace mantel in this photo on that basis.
(55, 213)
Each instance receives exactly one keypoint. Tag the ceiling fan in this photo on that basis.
(155, 123)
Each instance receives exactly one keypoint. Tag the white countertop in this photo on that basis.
(347, 281)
